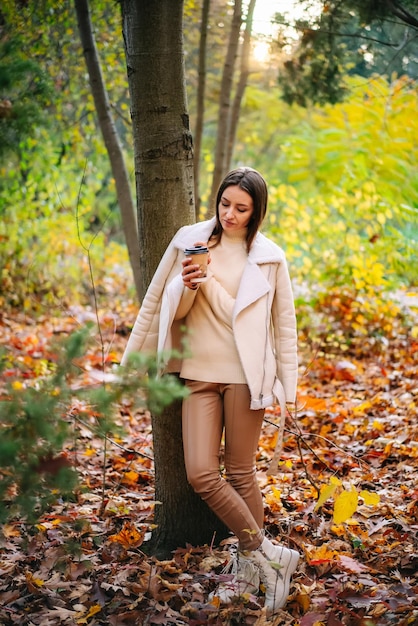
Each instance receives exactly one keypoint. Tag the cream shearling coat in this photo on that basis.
(264, 321)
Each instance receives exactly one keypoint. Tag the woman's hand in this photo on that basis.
(205, 245)
(191, 270)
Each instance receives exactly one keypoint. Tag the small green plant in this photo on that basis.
(36, 465)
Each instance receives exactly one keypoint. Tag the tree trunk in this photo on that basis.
(153, 33)
(242, 83)
(224, 110)
(181, 516)
(162, 141)
(200, 110)
(111, 139)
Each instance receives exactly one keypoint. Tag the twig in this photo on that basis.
(110, 440)
(87, 250)
(332, 443)
(301, 437)
(103, 505)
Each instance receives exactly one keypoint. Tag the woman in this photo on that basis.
(241, 358)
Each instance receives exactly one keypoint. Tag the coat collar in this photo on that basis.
(188, 235)
(265, 251)
(262, 251)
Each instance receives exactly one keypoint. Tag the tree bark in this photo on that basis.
(162, 140)
(200, 108)
(242, 84)
(164, 181)
(111, 139)
(224, 110)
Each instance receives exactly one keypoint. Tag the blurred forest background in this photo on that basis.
(321, 96)
(333, 130)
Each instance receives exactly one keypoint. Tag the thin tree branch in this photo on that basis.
(402, 13)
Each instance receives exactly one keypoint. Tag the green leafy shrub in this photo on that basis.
(36, 464)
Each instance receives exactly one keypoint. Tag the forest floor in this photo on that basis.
(354, 433)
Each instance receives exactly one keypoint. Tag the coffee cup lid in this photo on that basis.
(196, 250)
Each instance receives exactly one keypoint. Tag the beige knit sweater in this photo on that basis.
(211, 351)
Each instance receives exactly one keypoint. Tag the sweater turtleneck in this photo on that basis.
(211, 345)
(228, 260)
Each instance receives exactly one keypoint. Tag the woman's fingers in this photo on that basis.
(203, 243)
(190, 272)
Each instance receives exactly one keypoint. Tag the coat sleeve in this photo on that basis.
(285, 332)
(145, 332)
(186, 302)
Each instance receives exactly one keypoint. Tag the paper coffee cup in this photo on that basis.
(199, 256)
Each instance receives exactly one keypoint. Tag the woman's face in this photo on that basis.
(235, 208)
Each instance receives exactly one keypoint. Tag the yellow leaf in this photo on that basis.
(304, 600)
(96, 608)
(321, 554)
(370, 498)
(36, 582)
(130, 478)
(327, 491)
(9, 530)
(338, 530)
(362, 408)
(273, 499)
(345, 505)
(83, 619)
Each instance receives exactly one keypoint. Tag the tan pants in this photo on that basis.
(210, 409)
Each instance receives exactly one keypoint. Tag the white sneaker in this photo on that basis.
(276, 565)
(246, 580)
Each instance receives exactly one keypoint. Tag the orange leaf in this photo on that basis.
(128, 537)
(311, 402)
(130, 478)
(317, 556)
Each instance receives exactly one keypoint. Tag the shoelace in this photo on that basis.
(232, 566)
(274, 564)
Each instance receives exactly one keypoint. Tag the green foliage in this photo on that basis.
(158, 391)
(45, 232)
(25, 89)
(56, 173)
(342, 179)
(343, 186)
(359, 37)
(36, 460)
(317, 72)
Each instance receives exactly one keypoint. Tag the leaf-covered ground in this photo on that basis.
(355, 434)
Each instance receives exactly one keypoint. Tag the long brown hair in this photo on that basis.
(254, 184)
